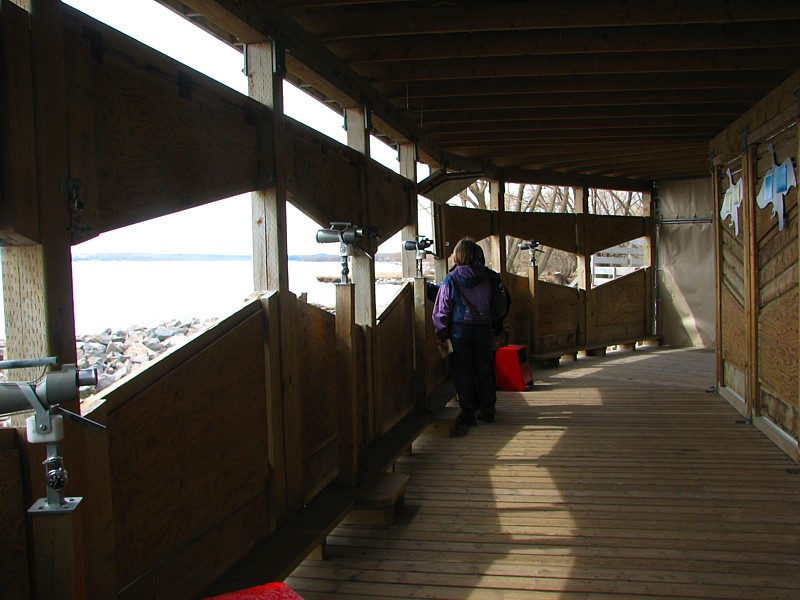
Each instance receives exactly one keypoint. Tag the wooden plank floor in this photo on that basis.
(615, 477)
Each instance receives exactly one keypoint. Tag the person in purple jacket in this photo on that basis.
(463, 314)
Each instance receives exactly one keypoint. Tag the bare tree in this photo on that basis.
(554, 264)
(612, 202)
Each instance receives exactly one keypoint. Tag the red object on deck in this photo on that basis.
(512, 369)
(269, 591)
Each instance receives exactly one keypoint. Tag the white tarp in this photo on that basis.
(686, 282)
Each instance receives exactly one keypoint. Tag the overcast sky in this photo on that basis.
(197, 231)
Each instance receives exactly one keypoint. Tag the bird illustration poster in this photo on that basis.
(731, 202)
(777, 181)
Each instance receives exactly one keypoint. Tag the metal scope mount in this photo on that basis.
(533, 246)
(420, 244)
(350, 237)
(47, 423)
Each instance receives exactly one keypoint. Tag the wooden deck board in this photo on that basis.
(620, 477)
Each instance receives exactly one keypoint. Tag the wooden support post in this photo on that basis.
(442, 250)
(584, 333)
(408, 169)
(347, 392)
(750, 176)
(718, 261)
(649, 260)
(363, 269)
(270, 255)
(55, 188)
(533, 285)
(58, 552)
(497, 195)
(266, 67)
(421, 327)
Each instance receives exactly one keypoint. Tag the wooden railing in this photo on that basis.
(195, 466)
(553, 320)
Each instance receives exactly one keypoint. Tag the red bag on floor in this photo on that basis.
(269, 591)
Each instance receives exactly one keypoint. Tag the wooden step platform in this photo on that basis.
(445, 421)
(378, 498)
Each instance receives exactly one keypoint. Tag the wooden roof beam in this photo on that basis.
(255, 21)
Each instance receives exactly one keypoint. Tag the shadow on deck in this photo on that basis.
(620, 476)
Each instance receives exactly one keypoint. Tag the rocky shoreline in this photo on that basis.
(116, 354)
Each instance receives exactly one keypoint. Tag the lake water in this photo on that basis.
(118, 294)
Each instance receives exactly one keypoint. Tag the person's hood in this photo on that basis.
(469, 276)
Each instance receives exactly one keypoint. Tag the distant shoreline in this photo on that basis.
(152, 257)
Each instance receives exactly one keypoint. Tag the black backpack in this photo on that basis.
(500, 303)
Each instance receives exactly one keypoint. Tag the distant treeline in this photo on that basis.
(144, 256)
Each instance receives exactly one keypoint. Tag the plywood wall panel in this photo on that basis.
(779, 412)
(556, 230)
(163, 137)
(733, 377)
(519, 317)
(436, 368)
(458, 222)
(557, 316)
(394, 361)
(212, 426)
(616, 310)
(605, 231)
(777, 342)
(322, 176)
(315, 339)
(734, 332)
(391, 200)
(778, 256)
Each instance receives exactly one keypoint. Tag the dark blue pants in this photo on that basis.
(472, 362)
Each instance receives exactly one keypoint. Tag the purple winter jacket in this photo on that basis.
(475, 285)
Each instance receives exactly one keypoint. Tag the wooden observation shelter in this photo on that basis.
(241, 450)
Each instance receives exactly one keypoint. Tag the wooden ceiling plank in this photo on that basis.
(666, 82)
(504, 137)
(729, 36)
(391, 19)
(597, 113)
(441, 130)
(714, 61)
(527, 100)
